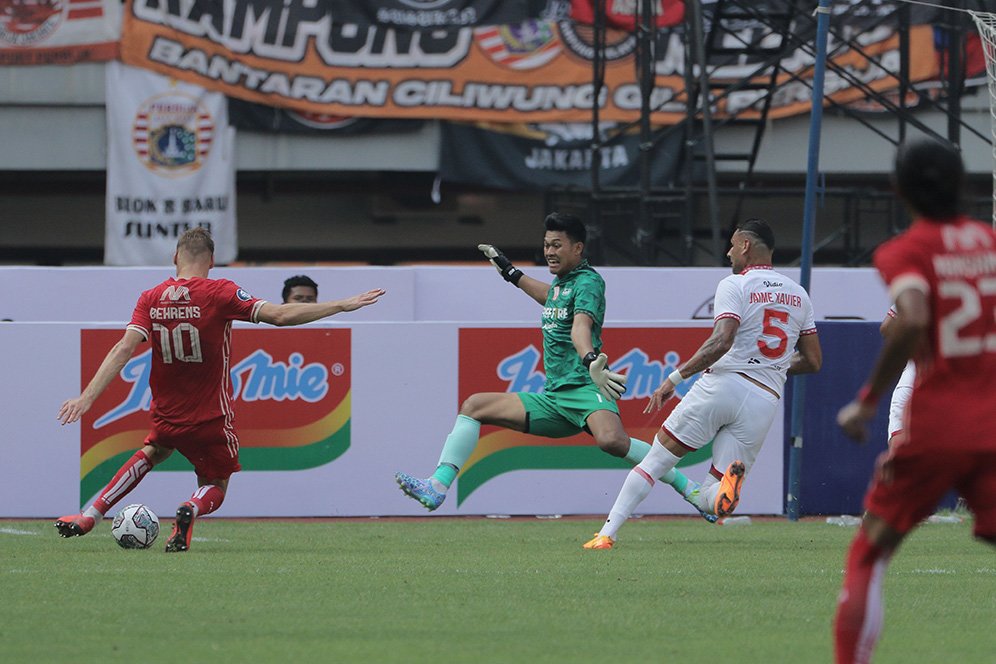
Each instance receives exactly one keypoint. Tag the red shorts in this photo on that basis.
(920, 478)
(211, 447)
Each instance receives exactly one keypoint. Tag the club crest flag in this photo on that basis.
(170, 167)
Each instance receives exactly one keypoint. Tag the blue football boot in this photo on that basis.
(421, 490)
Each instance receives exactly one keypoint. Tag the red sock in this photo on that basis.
(859, 607)
(128, 477)
(207, 499)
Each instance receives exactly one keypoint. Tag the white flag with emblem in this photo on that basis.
(170, 167)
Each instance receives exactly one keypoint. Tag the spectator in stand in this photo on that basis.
(300, 288)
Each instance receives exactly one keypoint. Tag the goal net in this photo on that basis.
(986, 23)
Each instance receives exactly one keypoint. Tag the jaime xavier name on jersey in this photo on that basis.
(767, 297)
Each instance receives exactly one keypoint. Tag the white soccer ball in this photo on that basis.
(135, 527)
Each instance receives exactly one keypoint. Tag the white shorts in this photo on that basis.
(900, 395)
(730, 411)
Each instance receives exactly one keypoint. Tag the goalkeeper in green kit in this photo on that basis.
(580, 392)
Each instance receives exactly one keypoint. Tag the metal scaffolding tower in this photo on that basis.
(678, 222)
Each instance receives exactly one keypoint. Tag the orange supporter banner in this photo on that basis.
(299, 57)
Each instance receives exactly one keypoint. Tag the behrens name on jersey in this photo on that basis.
(172, 313)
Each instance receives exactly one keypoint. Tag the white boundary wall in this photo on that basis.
(404, 395)
(424, 293)
(404, 401)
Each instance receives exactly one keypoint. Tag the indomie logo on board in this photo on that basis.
(291, 390)
(172, 134)
(509, 360)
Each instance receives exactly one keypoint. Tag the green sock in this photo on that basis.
(677, 479)
(457, 449)
(639, 449)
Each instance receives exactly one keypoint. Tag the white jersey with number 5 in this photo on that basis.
(773, 312)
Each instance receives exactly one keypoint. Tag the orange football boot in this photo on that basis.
(599, 542)
(728, 495)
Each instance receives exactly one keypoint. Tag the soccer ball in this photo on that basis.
(135, 527)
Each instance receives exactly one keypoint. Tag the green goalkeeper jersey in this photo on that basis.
(580, 290)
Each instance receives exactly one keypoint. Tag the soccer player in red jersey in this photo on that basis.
(941, 275)
(188, 320)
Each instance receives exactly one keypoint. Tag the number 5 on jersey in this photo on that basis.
(770, 329)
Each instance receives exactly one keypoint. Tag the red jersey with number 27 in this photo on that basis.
(189, 323)
(953, 404)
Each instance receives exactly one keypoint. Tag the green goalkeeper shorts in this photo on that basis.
(564, 412)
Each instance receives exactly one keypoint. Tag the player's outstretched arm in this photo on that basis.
(299, 313)
(713, 348)
(114, 361)
(534, 288)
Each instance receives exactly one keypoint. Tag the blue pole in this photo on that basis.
(806, 263)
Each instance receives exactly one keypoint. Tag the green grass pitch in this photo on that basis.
(480, 590)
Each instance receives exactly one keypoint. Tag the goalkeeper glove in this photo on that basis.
(508, 272)
(611, 384)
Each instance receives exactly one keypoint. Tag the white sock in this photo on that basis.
(93, 512)
(659, 460)
(706, 500)
(708, 496)
(637, 486)
(437, 485)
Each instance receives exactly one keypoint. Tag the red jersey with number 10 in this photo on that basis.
(953, 404)
(189, 323)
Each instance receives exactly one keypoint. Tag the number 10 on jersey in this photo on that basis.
(173, 346)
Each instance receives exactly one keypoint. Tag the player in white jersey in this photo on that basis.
(764, 329)
(904, 387)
